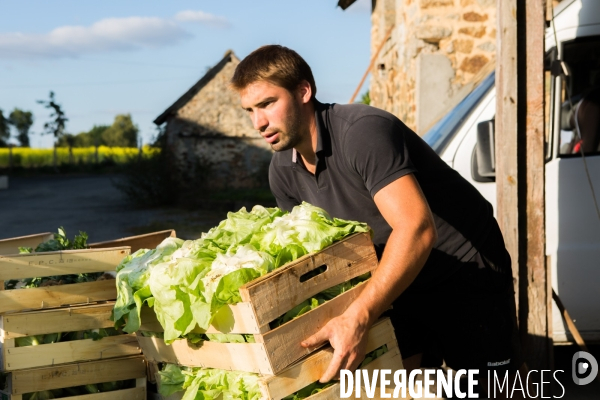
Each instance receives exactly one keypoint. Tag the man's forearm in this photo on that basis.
(402, 260)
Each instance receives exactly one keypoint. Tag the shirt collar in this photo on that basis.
(323, 142)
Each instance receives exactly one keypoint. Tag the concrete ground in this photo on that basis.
(91, 204)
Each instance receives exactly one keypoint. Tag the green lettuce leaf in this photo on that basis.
(132, 282)
(230, 271)
(178, 301)
(306, 229)
(206, 383)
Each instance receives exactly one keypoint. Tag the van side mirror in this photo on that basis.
(486, 160)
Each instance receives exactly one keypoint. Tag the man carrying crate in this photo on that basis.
(443, 264)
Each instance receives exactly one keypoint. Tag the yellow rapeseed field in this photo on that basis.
(30, 158)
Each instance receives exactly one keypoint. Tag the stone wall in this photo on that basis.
(212, 129)
(436, 48)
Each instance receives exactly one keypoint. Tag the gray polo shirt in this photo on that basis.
(360, 150)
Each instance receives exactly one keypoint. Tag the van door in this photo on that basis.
(573, 187)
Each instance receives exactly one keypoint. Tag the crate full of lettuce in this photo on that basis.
(58, 272)
(244, 295)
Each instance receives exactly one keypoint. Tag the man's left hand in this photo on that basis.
(347, 334)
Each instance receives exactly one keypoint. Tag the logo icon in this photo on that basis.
(585, 368)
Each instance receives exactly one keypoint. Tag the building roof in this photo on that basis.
(187, 96)
(345, 3)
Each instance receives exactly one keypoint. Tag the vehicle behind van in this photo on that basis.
(464, 138)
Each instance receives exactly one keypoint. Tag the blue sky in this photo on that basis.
(102, 58)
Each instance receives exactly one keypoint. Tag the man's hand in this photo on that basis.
(347, 334)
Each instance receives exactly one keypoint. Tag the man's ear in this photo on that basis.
(304, 92)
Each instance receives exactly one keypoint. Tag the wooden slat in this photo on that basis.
(391, 360)
(312, 368)
(283, 343)
(146, 241)
(277, 292)
(56, 296)
(232, 318)
(520, 168)
(535, 296)
(57, 320)
(507, 131)
(60, 262)
(17, 358)
(11, 246)
(249, 357)
(137, 393)
(56, 377)
(152, 372)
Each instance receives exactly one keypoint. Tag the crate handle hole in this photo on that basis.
(315, 272)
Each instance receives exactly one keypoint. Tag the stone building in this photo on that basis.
(436, 50)
(206, 129)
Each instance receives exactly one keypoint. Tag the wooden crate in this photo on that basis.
(265, 299)
(310, 369)
(146, 241)
(77, 318)
(76, 374)
(20, 266)
(11, 246)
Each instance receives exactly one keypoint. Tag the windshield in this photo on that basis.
(441, 133)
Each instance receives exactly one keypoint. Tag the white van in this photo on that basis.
(573, 102)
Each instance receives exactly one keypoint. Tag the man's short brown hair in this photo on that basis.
(274, 64)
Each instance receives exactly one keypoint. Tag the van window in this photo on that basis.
(580, 109)
(442, 133)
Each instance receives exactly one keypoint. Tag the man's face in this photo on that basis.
(275, 113)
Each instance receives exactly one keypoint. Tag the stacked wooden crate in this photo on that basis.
(66, 308)
(277, 354)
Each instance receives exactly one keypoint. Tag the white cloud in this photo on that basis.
(203, 18)
(111, 34)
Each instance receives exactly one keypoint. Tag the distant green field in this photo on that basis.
(31, 158)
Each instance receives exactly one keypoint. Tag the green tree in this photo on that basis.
(91, 138)
(122, 133)
(4, 130)
(22, 121)
(67, 140)
(366, 98)
(56, 126)
(94, 136)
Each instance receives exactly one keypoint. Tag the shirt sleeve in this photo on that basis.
(376, 150)
(280, 189)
